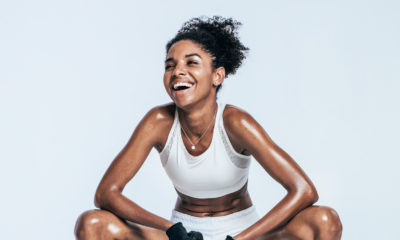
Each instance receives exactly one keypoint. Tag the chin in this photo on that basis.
(183, 103)
(188, 100)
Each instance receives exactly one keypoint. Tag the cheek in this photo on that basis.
(205, 78)
(202, 75)
(165, 78)
(166, 81)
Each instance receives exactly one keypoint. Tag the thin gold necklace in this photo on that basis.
(193, 147)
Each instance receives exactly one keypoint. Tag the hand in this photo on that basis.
(193, 235)
(178, 232)
(229, 238)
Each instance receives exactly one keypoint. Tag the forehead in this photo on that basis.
(184, 47)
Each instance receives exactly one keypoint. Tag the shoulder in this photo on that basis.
(161, 113)
(159, 116)
(156, 123)
(241, 128)
(236, 118)
(245, 131)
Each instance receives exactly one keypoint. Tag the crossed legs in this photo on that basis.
(315, 222)
(103, 225)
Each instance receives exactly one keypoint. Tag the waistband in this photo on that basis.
(218, 219)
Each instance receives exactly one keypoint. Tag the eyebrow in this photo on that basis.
(186, 56)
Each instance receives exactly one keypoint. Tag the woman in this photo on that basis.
(205, 148)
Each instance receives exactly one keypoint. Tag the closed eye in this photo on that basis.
(168, 67)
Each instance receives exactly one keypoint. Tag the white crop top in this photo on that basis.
(218, 171)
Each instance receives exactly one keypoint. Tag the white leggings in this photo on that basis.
(217, 228)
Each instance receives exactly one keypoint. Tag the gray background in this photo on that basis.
(322, 77)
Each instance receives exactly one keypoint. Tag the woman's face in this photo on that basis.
(189, 74)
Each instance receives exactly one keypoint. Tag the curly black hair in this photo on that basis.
(217, 36)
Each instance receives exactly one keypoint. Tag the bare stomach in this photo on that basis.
(212, 207)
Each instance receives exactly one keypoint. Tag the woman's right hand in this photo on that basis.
(178, 232)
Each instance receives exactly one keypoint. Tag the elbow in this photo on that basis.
(307, 194)
(98, 199)
(312, 196)
(103, 197)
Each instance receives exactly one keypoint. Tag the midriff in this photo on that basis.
(212, 207)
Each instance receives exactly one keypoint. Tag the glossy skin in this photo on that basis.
(293, 217)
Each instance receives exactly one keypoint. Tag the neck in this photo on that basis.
(197, 118)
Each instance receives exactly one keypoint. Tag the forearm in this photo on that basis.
(288, 207)
(123, 207)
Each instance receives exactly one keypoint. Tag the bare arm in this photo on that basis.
(124, 167)
(301, 193)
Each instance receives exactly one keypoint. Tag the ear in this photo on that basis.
(218, 76)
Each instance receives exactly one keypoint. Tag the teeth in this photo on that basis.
(182, 84)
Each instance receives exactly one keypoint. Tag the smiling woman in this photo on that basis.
(206, 148)
(190, 74)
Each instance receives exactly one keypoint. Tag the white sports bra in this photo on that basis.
(218, 171)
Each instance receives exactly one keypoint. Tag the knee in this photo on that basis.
(91, 223)
(327, 222)
(86, 222)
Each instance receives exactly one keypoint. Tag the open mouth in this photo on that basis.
(181, 86)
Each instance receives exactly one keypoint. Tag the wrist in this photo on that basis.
(167, 225)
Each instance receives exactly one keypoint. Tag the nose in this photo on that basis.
(179, 70)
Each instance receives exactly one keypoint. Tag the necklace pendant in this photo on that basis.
(193, 147)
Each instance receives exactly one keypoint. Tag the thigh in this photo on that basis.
(102, 224)
(314, 222)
